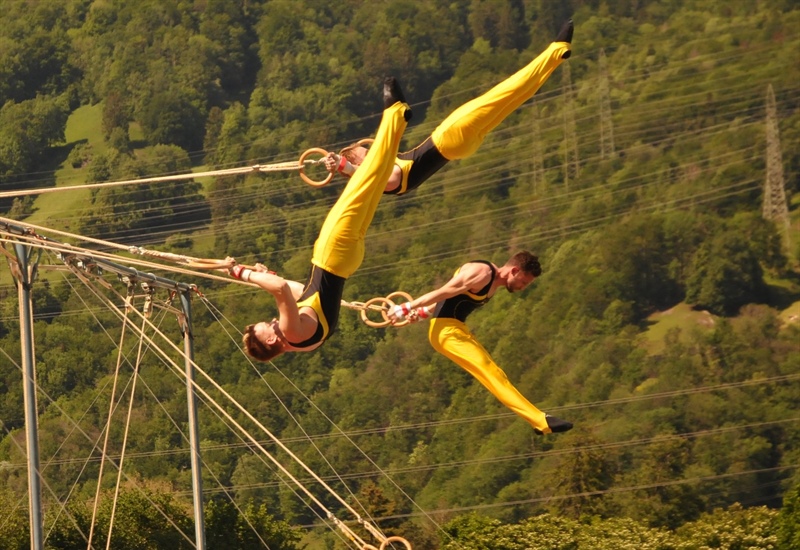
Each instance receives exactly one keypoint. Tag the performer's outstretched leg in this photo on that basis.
(453, 339)
(461, 133)
(340, 245)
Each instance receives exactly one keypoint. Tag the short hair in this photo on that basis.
(257, 349)
(527, 262)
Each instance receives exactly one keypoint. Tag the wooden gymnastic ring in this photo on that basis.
(389, 304)
(375, 324)
(301, 166)
(405, 295)
(384, 544)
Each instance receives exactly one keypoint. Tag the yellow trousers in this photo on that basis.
(453, 339)
(461, 133)
(340, 245)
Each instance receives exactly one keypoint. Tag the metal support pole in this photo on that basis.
(194, 438)
(26, 275)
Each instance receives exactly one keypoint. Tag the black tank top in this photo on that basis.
(460, 306)
(323, 294)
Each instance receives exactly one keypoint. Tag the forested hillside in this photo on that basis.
(665, 325)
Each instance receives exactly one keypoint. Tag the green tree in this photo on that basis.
(34, 54)
(231, 139)
(250, 528)
(502, 23)
(661, 503)
(213, 129)
(14, 529)
(145, 519)
(27, 130)
(124, 211)
(788, 521)
(725, 275)
(229, 27)
(736, 527)
(580, 474)
(170, 118)
(549, 532)
(116, 114)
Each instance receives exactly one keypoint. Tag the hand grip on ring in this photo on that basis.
(317, 151)
(385, 305)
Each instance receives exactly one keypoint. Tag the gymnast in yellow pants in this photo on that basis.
(471, 287)
(453, 339)
(463, 131)
(308, 313)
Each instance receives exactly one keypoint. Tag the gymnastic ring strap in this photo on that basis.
(203, 263)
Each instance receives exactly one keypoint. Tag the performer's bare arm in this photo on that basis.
(470, 278)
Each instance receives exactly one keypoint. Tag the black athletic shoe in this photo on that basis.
(556, 425)
(565, 35)
(392, 94)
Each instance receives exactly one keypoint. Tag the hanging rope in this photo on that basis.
(379, 304)
(35, 240)
(81, 263)
(104, 452)
(299, 165)
(125, 438)
(220, 317)
(189, 261)
(372, 529)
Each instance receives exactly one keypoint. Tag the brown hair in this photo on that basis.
(257, 349)
(527, 262)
